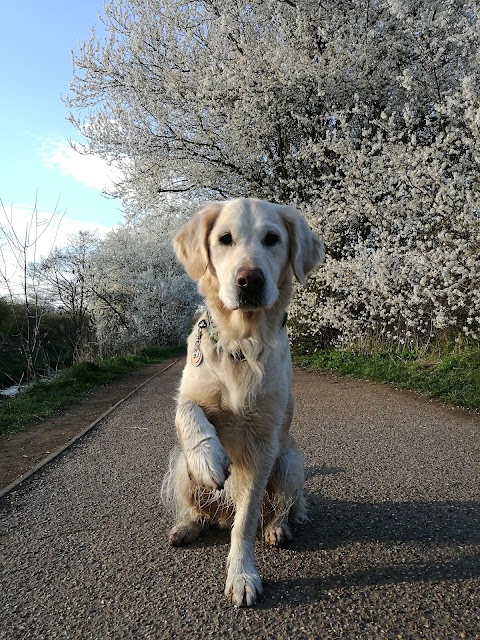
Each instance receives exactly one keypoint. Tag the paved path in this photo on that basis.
(392, 549)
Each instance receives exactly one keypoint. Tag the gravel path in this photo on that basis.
(392, 549)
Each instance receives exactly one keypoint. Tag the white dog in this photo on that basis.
(236, 460)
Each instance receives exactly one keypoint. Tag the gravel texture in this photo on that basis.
(392, 549)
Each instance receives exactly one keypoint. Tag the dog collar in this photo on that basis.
(214, 335)
(213, 332)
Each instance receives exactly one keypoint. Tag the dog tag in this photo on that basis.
(197, 357)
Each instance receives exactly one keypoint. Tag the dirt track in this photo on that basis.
(21, 451)
(392, 549)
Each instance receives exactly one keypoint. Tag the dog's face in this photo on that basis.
(246, 245)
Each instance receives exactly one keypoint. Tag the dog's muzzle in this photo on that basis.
(250, 287)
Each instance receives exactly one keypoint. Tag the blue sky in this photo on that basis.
(36, 39)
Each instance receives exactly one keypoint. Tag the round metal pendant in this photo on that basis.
(197, 357)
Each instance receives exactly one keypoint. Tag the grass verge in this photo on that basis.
(47, 398)
(452, 376)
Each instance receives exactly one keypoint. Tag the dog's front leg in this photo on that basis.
(243, 581)
(206, 458)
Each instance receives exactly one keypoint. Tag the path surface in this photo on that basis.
(23, 450)
(392, 549)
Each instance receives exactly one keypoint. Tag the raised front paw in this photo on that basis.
(208, 463)
(243, 588)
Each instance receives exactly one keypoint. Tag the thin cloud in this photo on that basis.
(88, 169)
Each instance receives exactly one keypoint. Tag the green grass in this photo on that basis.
(451, 375)
(49, 397)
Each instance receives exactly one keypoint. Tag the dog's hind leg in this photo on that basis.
(184, 532)
(284, 500)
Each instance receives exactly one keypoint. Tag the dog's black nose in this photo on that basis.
(250, 280)
(250, 285)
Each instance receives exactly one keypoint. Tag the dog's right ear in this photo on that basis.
(191, 242)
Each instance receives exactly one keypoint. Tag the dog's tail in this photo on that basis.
(168, 492)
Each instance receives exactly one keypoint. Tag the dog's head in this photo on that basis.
(245, 246)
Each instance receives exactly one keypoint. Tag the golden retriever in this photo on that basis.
(237, 465)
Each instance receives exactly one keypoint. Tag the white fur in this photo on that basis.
(237, 464)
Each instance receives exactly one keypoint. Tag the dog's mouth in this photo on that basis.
(250, 301)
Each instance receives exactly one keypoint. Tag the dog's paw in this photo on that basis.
(277, 535)
(208, 464)
(300, 519)
(184, 533)
(298, 512)
(242, 589)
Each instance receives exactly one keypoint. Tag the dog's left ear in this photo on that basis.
(191, 242)
(307, 250)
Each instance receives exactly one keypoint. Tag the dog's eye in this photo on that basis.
(271, 239)
(226, 238)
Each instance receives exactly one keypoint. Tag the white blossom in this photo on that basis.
(139, 294)
(366, 115)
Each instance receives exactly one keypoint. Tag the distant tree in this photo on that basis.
(6, 316)
(139, 294)
(20, 281)
(63, 276)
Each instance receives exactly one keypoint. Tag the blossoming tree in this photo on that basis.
(138, 294)
(365, 114)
